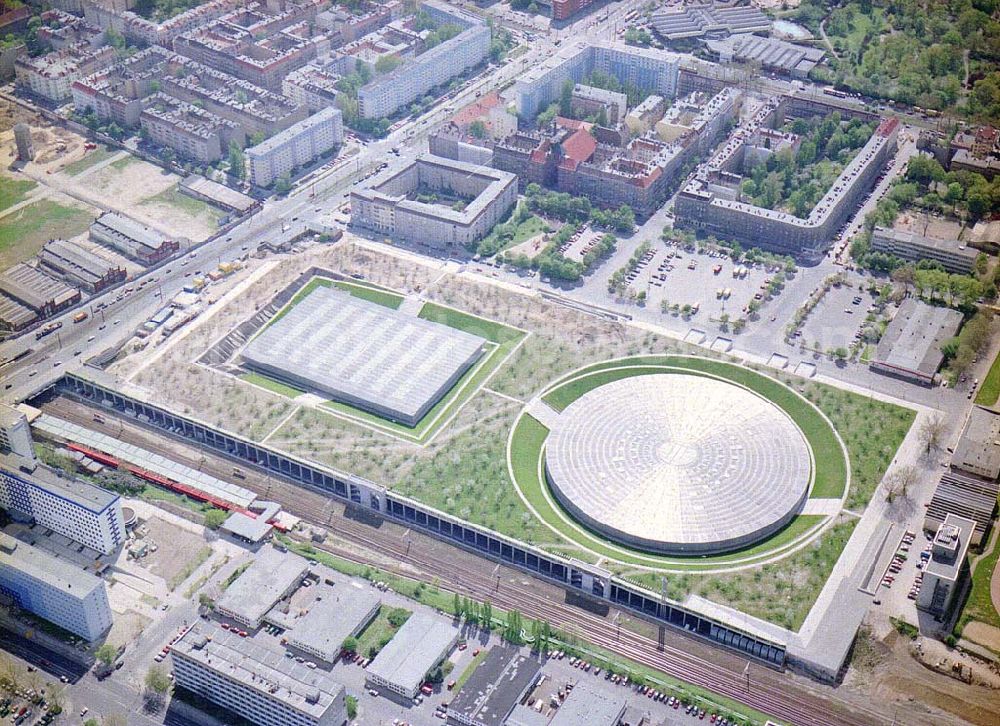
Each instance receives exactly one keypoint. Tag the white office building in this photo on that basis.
(54, 589)
(255, 682)
(296, 146)
(15, 434)
(86, 514)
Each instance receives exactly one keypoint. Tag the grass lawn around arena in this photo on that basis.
(501, 339)
(989, 392)
(979, 604)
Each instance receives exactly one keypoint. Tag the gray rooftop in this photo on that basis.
(496, 686)
(77, 491)
(422, 641)
(247, 527)
(256, 591)
(364, 354)
(34, 288)
(978, 451)
(951, 543)
(591, 704)
(44, 567)
(912, 342)
(336, 614)
(310, 691)
(389, 187)
(118, 224)
(964, 495)
(769, 51)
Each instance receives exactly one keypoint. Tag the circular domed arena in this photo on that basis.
(678, 463)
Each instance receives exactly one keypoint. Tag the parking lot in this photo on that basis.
(842, 317)
(709, 282)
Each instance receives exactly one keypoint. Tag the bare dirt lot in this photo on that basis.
(177, 550)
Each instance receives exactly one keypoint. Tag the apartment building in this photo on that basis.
(709, 203)
(51, 76)
(387, 94)
(252, 108)
(118, 14)
(296, 146)
(117, 93)
(565, 9)
(256, 44)
(54, 589)
(389, 206)
(254, 682)
(654, 71)
(132, 239)
(313, 86)
(589, 101)
(191, 131)
(86, 514)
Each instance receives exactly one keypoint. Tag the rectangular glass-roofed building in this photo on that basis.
(364, 354)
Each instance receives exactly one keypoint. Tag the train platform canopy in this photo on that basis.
(232, 494)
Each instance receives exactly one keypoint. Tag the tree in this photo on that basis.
(905, 276)
(157, 680)
(91, 722)
(283, 185)
(932, 430)
(351, 702)
(477, 129)
(237, 162)
(566, 98)
(387, 63)
(899, 481)
(398, 616)
(215, 517)
(106, 654)
(350, 644)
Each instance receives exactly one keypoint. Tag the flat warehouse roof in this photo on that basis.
(254, 592)
(332, 619)
(912, 342)
(364, 354)
(416, 648)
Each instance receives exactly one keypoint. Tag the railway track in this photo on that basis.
(675, 652)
